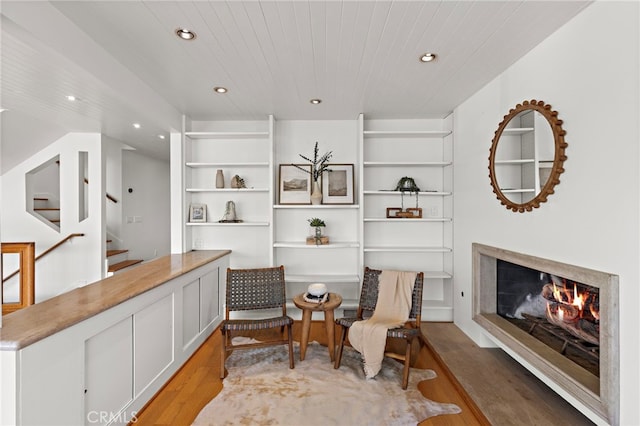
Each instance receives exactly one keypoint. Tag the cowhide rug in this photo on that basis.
(260, 389)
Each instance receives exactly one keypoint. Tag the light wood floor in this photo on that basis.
(488, 386)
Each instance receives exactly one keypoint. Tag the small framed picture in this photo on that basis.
(295, 184)
(198, 213)
(337, 185)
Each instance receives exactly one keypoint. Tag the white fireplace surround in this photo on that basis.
(596, 397)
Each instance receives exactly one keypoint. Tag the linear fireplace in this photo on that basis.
(560, 321)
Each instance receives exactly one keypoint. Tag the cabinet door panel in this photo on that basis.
(109, 367)
(190, 311)
(209, 306)
(153, 340)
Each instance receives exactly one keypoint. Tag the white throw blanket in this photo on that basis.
(369, 336)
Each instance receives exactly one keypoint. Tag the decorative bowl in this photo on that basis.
(317, 289)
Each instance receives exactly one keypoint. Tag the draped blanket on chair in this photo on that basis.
(369, 336)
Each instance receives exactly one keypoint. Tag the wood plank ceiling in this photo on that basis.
(123, 60)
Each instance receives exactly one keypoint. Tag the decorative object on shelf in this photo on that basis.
(219, 179)
(405, 184)
(295, 184)
(338, 186)
(319, 165)
(237, 182)
(317, 226)
(230, 213)
(197, 212)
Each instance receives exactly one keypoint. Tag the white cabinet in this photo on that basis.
(243, 148)
(422, 150)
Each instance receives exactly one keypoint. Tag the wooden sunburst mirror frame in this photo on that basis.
(558, 161)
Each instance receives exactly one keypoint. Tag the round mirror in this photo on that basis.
(527, 156)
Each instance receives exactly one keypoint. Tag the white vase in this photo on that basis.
(219, 179)
(316, 194)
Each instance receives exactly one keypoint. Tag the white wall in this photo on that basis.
(589, 72)
(79, 261)
(149, 202)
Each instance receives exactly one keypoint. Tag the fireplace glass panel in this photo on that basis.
(561, 313)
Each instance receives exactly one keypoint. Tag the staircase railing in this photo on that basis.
(27, 270)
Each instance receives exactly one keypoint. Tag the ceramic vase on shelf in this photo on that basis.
(316, 193)
(219, 179)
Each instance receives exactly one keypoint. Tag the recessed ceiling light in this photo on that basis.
(185, 34)
(71, 98)
(316, 101)
(136, 125)
(427, 57)
(161, 136)
(220, 89)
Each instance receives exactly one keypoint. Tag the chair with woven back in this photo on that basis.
(260, 290)
(367, 305)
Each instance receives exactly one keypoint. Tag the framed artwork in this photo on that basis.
(295, 184)
(197, 213)
(338, 184)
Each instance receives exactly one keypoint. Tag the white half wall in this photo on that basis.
(589, 72)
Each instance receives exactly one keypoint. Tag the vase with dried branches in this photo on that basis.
(319, 165)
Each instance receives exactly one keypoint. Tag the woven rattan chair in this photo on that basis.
(255, 290)
(366, 306)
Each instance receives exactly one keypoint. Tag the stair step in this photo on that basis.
(52, 209)
(125, 264)
(115, 252)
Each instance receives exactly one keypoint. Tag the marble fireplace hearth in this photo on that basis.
(595, 395)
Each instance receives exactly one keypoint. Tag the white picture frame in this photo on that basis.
(294, 184)
(197, 213)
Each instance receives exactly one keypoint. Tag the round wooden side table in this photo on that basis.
(307, 309)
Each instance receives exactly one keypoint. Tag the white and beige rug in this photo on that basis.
(260, 389)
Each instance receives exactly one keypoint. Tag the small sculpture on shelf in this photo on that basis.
(230, 214)
(405, 184)
(237, 182)
(317, 226)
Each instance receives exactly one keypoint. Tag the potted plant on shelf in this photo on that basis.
(317, 226)
(319, 165)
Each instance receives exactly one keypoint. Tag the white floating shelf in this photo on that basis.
(407, 133)
(516, 162)
(304, 245)
(316, 206)
(437, 274)
(402, 219)
(320, 278)
(397, 193)
(227, 224)
(203, 165)
(407, 163)
(517, 191)
(517, 130)
(399, 249)
(227, 135)
(235, 190)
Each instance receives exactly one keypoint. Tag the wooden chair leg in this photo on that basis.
(407, 365)
(291, 362)
(223, 354)
(338, 355)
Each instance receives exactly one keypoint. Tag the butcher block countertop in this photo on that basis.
(27, 326)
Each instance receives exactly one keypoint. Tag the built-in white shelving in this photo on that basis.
(423, 150)
(360, 234)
